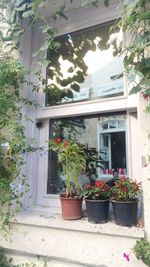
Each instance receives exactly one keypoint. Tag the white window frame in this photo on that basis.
(97, 106)
(108, 131)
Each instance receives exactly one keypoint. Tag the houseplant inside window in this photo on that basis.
(71, 158)
(124, 195)
(97, 201)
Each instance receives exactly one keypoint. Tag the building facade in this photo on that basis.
(106, 119)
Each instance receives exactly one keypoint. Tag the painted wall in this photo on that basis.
(36, 167)
(144, 131)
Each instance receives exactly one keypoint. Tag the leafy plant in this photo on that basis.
(98, 191)
(12, 139)
(125, 189)
(135, 20)
(4, 261)
(72, 159)
(142, 251)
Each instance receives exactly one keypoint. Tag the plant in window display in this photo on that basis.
(93, 161)
(71, 157)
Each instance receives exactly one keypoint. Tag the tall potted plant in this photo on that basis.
(72, 159)
(124, 197)
(97, 201)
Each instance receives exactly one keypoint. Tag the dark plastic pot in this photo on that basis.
(97, 210)
(71, 208)
(125, 213)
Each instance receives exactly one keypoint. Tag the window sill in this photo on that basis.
(54, 220)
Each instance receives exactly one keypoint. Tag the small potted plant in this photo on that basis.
(97, 201)
(124, 197)
(72, 159)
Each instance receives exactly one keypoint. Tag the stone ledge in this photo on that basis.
(78, 242)
(82, 225)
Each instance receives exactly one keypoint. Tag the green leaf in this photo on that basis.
(22, 7)
(28, 13)
(69, 94)
(106, 3)
(135, 90)
(75, 87)
(47, 28)
(145, 16)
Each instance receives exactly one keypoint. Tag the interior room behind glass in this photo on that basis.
(104, 140)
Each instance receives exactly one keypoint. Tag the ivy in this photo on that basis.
(136, 21)
(142, 251)
(4, 261)
(7, 262)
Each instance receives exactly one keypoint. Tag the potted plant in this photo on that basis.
(72, 159)
(124, 197)
(97, 201)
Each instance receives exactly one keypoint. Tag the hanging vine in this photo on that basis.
(135, 20)
(12, 139)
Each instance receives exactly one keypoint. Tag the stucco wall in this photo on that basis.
(144, 131)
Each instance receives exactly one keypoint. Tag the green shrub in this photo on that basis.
(4, 261)
(142, 251)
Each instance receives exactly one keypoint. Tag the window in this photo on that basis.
(85, 66)
(104, 139)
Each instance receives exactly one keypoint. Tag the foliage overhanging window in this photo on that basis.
(85, 66)
(104, 140)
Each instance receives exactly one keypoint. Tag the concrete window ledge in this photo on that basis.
(55, 221)
(78, 243)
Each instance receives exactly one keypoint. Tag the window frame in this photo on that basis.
(104, 105)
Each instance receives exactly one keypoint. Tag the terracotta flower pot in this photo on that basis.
(71, 208)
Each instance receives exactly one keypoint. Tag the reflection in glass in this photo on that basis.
(85, 66)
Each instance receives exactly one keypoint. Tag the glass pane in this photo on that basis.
(112, 124)
(121, 124)
(104, 151)
(84, 67)
(105, 126)
(118, 146)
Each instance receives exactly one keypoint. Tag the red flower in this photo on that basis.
(57, 140)
(99, 183)
(87, 186)
(66, 143)
(136, 187)
(126, 256)
(145, 96)
(124, 189)
(105, 187)
(123, 178)
(117, 184)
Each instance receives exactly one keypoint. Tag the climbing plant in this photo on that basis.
(142, 251)
(31, 11)
(4, 261)
(12, 139)
(135, 21)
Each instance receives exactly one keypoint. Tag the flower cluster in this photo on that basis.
(59, 145)
(98, 191)
(125, 189)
